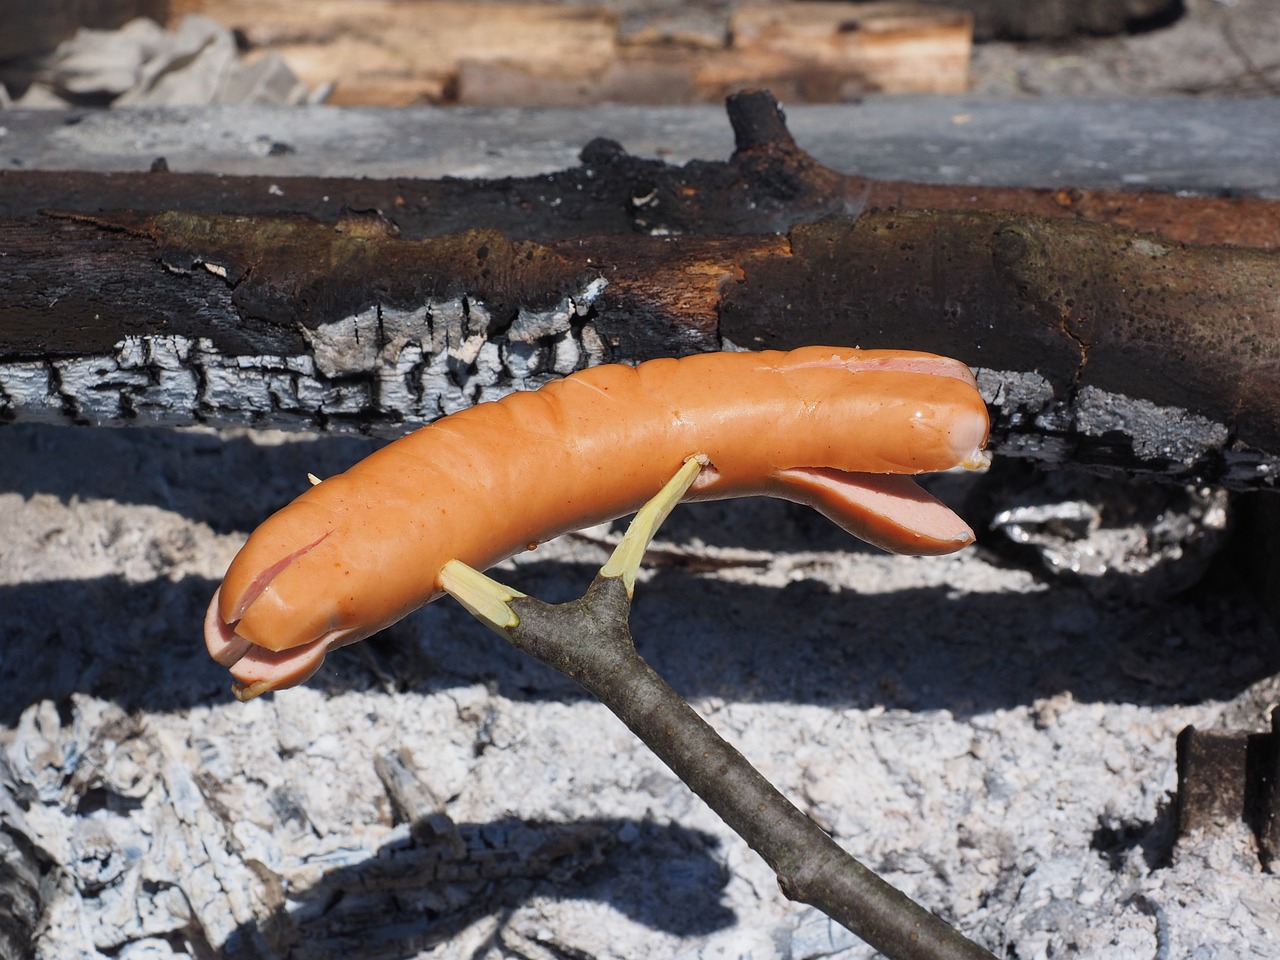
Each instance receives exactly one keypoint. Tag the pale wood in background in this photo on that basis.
(397, 52)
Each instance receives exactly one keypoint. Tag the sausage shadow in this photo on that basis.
(227, 481)
(139, 644)
(232, 483)
(910, 649)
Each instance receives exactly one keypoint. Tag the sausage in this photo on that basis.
(839, 429)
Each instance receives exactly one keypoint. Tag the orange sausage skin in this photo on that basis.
(364, 548)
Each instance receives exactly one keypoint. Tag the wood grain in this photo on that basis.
(397, 52)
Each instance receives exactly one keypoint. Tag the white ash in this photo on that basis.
(998, 746)
(382, 370)
(1098, 529)
(1184, 438)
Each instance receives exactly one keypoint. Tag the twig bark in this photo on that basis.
(589, 640)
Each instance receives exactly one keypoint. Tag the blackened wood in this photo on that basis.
(1098, 346)
(26, 879)
(1266, 784)
(1228, 777)
(768, 185)
(1211, 779)
(1151, 353)
(616, 193)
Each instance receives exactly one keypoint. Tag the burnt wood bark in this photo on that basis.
(1097, 346)
(218, 300)
(768, 185)
(21, 902)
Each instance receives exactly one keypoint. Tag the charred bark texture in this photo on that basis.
(373, 306)
(768, 185)
(1098, 346)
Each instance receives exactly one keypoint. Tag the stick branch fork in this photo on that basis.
(589, 640)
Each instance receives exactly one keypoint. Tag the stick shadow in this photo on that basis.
(410, 896)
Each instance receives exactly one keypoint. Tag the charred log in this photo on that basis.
(1096, 346)
(767, 186)
(1116, 349)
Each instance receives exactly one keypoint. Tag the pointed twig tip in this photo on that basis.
(625, 560)
(484, 598)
